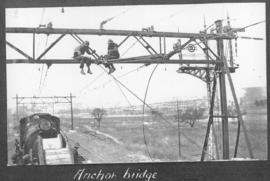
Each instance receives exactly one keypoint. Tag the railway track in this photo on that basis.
(84, 153)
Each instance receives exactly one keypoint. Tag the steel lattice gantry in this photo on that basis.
(154, 56)
(35, 100)
(215, 64)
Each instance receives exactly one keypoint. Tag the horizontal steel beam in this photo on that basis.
(117, 33)
(119, 61)
(45, 102)
(44, 97)
(197, 68)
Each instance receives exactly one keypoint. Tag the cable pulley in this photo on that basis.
(191, 48)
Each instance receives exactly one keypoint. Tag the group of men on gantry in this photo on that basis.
(80, 50)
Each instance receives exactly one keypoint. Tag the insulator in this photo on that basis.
(236, 47)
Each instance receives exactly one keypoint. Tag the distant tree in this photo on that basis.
(231, 110)
(16, 128)
(254, 93)
(192, 115)
(257, 103)
(98, 115)
(156, 113)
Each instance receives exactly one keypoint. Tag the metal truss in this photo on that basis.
(153, 58)
(214, 66)
(203, 73)
(43, 101)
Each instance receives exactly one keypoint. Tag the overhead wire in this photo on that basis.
(122, 92)
(121, 76)
(93, 81)
(168, 17)
(253, 24)
(145, 95)
(113, 17)
(42, 81)
(129, 48)
(42, 68)
(81, 41)
(144, 103)
(147, 88)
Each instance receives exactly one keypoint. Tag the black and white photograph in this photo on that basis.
(136, 84)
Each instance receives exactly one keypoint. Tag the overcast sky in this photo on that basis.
(166, 84)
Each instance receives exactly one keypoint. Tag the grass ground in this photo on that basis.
(128, 138)
(161, 137)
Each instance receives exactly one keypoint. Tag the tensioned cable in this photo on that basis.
(170, 16)
(129, 48)
(192, 141)
(143, 101)
(123, 75)
(80, 40)
(93, 81)
(123, 94)
(146, 91)
(104, 84)
(121, 13)
(248, 26)
(41, 75)
(42, 83)
(113, 17)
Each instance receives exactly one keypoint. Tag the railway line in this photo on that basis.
(84, 153)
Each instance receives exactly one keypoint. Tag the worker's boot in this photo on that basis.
(112, 69)
(82, 71)
(179, 70)
(89, 71)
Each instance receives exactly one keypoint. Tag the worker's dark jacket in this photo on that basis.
(80, 50)
(113, 52)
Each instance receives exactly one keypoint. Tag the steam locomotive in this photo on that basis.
(42, 142)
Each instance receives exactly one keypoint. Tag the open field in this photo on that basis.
(128, 137)
(124, 139)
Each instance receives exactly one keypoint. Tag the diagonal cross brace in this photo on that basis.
(19, 51)
(50, 47)
(217, 57)
(94, 54)
(170, 54)
(146, 47)
(206, 53)
(210, 119)
(125, 39)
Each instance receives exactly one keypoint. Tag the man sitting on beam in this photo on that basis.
(79, 56)
(113, 53)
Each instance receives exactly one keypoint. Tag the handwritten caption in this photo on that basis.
(129, 174)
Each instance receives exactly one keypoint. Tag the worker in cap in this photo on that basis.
(76, 145)
(79, 56)
(86, 43)
(113, 53)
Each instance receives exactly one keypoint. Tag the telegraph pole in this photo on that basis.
(179, 133)
(71, 111)
(223, 97)
(17, 108)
